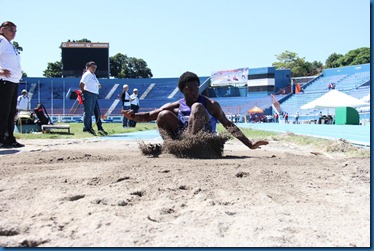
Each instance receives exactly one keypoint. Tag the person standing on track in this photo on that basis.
(23, 101)
(134, 101)
(125, 97)
(89, 86)
(10, 75)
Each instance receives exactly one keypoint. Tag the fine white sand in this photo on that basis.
(105, 193)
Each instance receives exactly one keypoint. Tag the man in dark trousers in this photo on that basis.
(10, 75)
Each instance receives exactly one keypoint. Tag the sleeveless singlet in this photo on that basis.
(184, 115)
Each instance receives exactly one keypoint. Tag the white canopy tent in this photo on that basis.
(366, 98)
(365, 108)
(333, 99)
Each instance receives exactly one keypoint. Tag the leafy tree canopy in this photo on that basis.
(122, 66)
(332, 60)
(17, 46)
(298, 66)
(54, 70)
(354, 57)
(83, 40)
(19, 49)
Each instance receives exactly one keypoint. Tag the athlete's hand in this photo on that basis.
(258, 144)
(129, 114)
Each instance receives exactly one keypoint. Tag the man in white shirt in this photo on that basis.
(89, 86)
(23, 101)
(134, 104)
(10, 75)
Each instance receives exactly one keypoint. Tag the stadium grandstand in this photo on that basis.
(351, 80)
(273, 91)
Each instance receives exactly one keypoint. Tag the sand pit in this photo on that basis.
(106, 193)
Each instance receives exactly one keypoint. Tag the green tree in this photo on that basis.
(83, 40)
(118, 65)
(122, 66)
(17, 46)
(332, 60)
(286, 60)
(355, 57)
(298, 66)
(19, 49)
(352, 57)
(313, 68)
(54, 70)
(137, 68)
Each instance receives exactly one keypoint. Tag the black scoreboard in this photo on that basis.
(75, 55)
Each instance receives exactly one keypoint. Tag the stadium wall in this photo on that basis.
(346, 70)
(58, 93)
(269, 76)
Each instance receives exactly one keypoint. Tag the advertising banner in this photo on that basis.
(237, 77)
(86, 45)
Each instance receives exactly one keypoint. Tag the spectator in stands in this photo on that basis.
(10, 75)
(320, 118)
(89, 86)
(247, 118)
(276, 117)
(193, 113)
(134, 102)
(329, 119)
(237, 118)
(286, 118)
(269, 118)
(297, 118)
(256, 118)
(231, 117)
(125, 97)
(263, 118)
(331, 86)
(23, 101)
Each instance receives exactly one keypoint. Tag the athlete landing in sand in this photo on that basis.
(192, 114)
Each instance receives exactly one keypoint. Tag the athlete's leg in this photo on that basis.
(168, 123)
(198, 119)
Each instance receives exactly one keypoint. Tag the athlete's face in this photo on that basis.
(191, 91)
